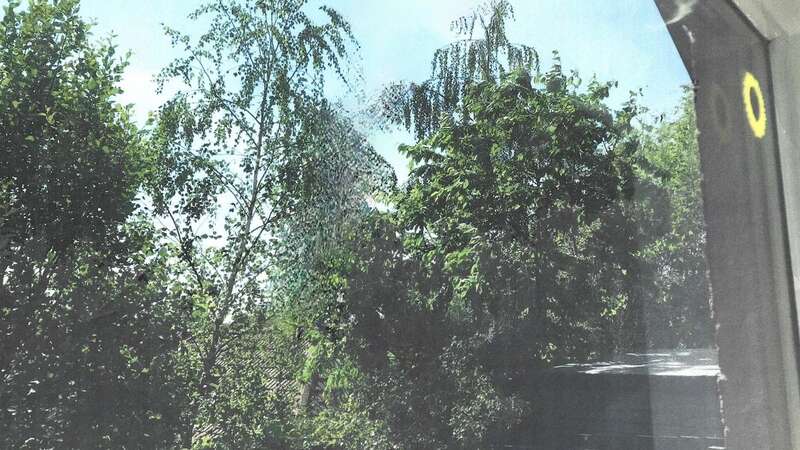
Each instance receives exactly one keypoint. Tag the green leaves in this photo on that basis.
(78, 318)
(251, 143)
(59, 109)
(483, 54)
(511, 248)
(186, 284)
(670, 161)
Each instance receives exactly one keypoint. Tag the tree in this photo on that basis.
(522, 208)
(680, 313)
(245, 144)
(483, 52)
(515, 244)
(84, 353)
(59, 120)
(511, 251)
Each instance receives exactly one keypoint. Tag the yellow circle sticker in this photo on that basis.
(751, 90)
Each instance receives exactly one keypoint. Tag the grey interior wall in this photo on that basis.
(773, 18)
(779, 22)
(785, 62)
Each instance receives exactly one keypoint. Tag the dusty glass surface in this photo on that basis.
(291, 224)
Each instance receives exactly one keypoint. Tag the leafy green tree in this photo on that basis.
(284, 354)
(250, 142)
(275, 288)
(680, 313)
(510, 251)
(515, 245)
(416, 377)
(64, 135)
(94, 368)
(85, 339)
(483, 52)
(520, 206)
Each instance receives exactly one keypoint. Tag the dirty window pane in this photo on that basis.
(401, 224)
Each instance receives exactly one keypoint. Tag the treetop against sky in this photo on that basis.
(623, 40)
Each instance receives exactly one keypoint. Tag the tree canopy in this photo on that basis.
(85, 337)
(245, 271)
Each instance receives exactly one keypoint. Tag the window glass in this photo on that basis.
(299, 224)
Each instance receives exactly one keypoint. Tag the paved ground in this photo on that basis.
(661, 400)
(674, 363)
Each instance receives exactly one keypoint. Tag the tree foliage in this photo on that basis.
(246, 272)
(251, 142)
(510, 250)
(483, 52)
(537, 227)
(64, 135)
(83, 333)
(679, 314)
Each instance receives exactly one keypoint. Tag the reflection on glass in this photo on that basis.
(460, 243)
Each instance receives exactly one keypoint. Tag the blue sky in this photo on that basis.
(624, 40)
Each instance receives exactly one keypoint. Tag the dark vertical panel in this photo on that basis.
(746, 245)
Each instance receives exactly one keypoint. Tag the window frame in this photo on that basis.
(750, 243)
